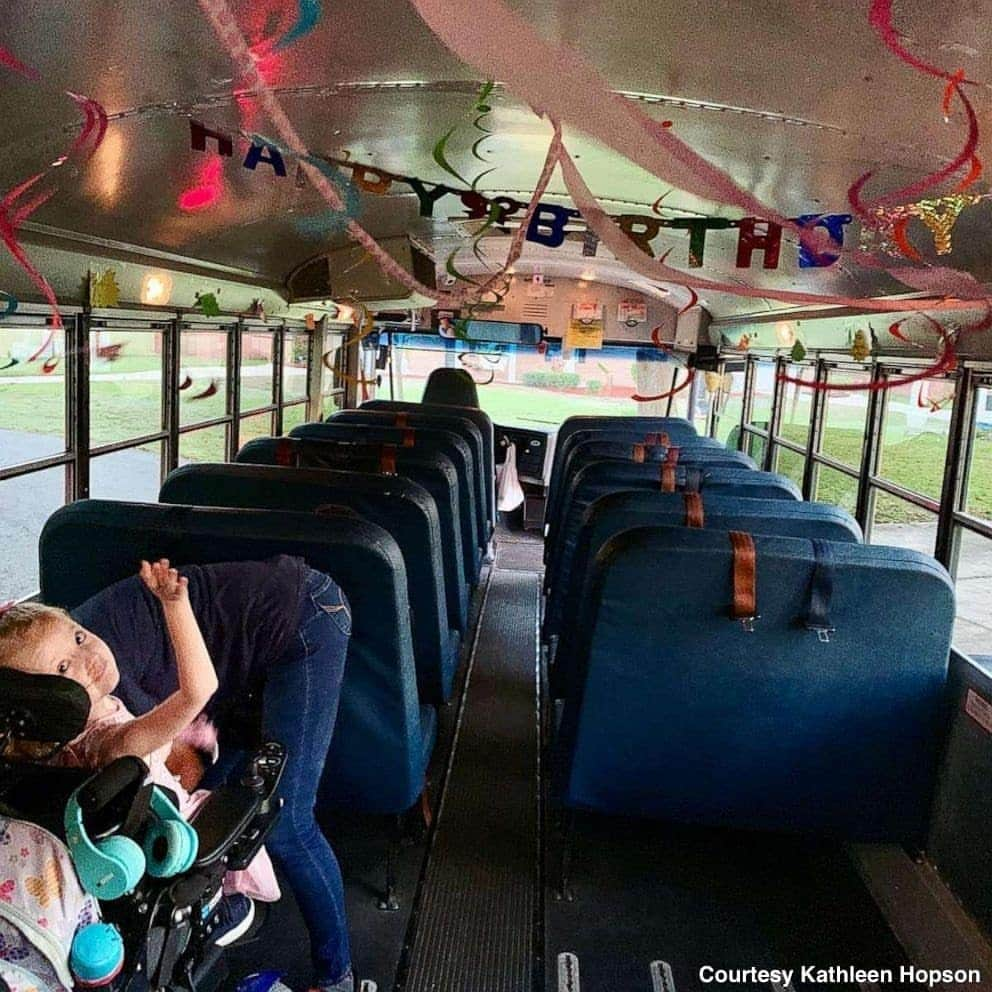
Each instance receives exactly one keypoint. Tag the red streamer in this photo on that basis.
(945, 363)
(637, 398)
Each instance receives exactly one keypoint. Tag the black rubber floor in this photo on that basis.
(475, 927)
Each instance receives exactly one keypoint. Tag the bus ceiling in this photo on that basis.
(194, 176)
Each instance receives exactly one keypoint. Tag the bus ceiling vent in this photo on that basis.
(745, 568)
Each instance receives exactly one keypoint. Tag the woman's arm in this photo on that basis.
(197, 678)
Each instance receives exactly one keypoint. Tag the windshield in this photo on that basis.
(527, 386)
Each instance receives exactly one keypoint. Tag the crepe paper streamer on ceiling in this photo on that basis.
(207, 187)
(207, 304)
(308, 15)
(880, 19)
(14, 213)
(49, 366)
(637, 398)
(104, 291)
(11, 362)
(309, 322)
(567, 88)
(627, 252)
(209, 391)
(225, 25)
(186, 383)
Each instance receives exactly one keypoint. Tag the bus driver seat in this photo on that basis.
(451, 387)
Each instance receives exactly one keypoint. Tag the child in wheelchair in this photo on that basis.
(41, 642)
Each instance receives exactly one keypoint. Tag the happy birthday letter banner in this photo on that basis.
(550, 223)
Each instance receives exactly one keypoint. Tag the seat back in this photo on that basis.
(376, 761)
(471, 493)
(451, 421)
(451, 387)
(609, 515)
(683, 713)
(437, 411)
(404, 509)
(590, 450)
(432, 471)
(604, 477)
(676, 430)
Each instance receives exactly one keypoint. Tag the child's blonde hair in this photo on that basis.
(22, 620)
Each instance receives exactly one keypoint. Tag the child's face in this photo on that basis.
(63, 647)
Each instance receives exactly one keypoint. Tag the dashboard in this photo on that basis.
(534, 448)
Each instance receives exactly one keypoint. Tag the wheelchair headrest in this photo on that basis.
(46, 708)
(451, 387)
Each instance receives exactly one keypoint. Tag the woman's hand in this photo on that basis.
(164, 582)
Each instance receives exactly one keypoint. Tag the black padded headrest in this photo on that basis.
(46, 708)
(451, 387)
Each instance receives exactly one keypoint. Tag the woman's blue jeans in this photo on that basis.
(299, 707)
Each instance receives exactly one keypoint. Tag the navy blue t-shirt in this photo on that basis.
(248, 613)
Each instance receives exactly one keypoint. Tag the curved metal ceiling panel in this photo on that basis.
(794, 99)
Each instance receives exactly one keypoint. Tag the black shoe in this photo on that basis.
(232, 919)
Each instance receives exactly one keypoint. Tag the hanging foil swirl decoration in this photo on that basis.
(887, 231)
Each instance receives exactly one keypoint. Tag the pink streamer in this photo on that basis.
(626, 251)
(10, 61)
(561, 83)
(223, 21)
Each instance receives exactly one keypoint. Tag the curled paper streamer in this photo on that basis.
(186, 383)
(308, 15)
(567, 88)
(222, 19)
(14, 213)
(637, 398)
(209, 391)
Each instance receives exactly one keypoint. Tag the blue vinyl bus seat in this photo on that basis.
(445, 415)
(609, 515)
(432, 471)
(425, 439)
(683, 714)
(677, 431)
(462, 426)
(399, 506)
(691, 472)
(635, 429)
(383, 736)
(585, 451)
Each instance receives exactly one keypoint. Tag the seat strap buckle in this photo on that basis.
(822, 633)
(748, 622)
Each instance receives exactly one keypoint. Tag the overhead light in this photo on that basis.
(156, 288)
(786, 334)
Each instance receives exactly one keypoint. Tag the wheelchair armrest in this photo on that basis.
(237, 817)
(222, 820)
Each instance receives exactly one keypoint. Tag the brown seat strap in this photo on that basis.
(673, 455)
(693, 510)
(409, 437)
(387, 459)
(402, 419)
(745, 605)
(667, 478)
(284, 451)
(637, 453)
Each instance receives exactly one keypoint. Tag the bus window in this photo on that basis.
(520, 385)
